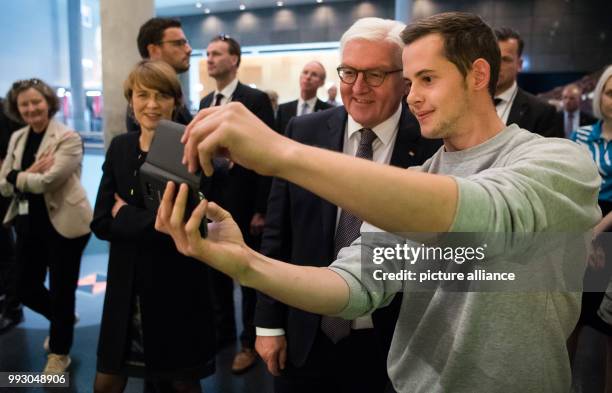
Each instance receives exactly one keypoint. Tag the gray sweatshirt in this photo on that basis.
(489, 342)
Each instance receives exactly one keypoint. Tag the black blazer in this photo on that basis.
(300, 226)
(288, 110)
(240, 191)
(535, 115)
(177, 316)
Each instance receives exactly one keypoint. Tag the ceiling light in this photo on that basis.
(242, 7)
(279, 3)
(198, 5)
(207, 10)
(319, 1)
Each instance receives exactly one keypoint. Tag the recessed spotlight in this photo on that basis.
(242, 7)
(198, 5)
(319, 1)
(207, 10)
(279, 3)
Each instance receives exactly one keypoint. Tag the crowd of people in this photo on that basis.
(307, 178)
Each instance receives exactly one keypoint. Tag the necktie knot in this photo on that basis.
(218, 99)
(497, 101)
(304, 108)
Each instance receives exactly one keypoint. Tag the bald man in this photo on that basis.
(311, 79)
(573, 117)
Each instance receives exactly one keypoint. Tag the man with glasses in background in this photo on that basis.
(164, 39)
(307, 352)
(242, 192)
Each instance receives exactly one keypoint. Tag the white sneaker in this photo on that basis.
(57, 363)
(46, 342)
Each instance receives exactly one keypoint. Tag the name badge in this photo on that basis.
(23, 208)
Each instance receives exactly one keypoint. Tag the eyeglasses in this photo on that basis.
(372, 78)
(26, 83)
(178, 43)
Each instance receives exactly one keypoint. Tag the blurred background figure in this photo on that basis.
(10, 307)
(573, 117)
(311, 79)
(332, 92)
(50, 210)
(273, 96)
(157, 319)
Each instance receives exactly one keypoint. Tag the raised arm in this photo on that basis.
(404, 201)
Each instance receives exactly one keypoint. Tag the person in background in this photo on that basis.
(147, 277)
(273, 96)
(311, 79)
(515, 105)
(243, 192)
(50, 211)
(332, 92)
(164, 39)
(11, 312)
(573, 117)
(597, 138)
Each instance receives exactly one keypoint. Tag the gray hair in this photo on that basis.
(607, 74)
(374, 29)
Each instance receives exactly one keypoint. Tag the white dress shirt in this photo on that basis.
(507, 97)
(227, 91)
(311, 104)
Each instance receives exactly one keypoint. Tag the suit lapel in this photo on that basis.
(335, 141)
(238, 93)
(19, 148)
(518, 108)
(49, 139)
(405, 152)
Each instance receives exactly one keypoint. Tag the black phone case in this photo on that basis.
(163, 164)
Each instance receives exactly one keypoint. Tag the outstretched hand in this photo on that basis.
(223, 249)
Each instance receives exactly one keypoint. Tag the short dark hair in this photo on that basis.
(12, 109)
(506, 33)
(466, 38)
(152, 32)
(232, 44)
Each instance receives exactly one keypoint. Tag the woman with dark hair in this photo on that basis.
(157, 319)
(41, 172)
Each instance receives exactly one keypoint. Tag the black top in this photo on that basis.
(177, 322)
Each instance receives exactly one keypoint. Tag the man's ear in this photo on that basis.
(235, 60)
(154, 51)
(481, 74)
(520, 64)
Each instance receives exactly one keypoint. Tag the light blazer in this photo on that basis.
(65, 198)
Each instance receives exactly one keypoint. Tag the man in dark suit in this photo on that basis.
(573, 117)
(242, 192)
(311, 78)
(164, 39)
(304, 229)
(515, 105)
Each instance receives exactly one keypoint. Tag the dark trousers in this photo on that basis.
(222, 293)
(37, 250)
(8, 267)
(356, 364)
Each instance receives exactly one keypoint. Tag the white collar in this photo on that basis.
(311, 103)
(228, 91)
(507, 95)
(384, 131)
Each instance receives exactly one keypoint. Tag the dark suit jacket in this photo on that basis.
(288, 110)
(181, 115)
(535, 115)
(177, 316)
(240, 191)
(300, 226)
